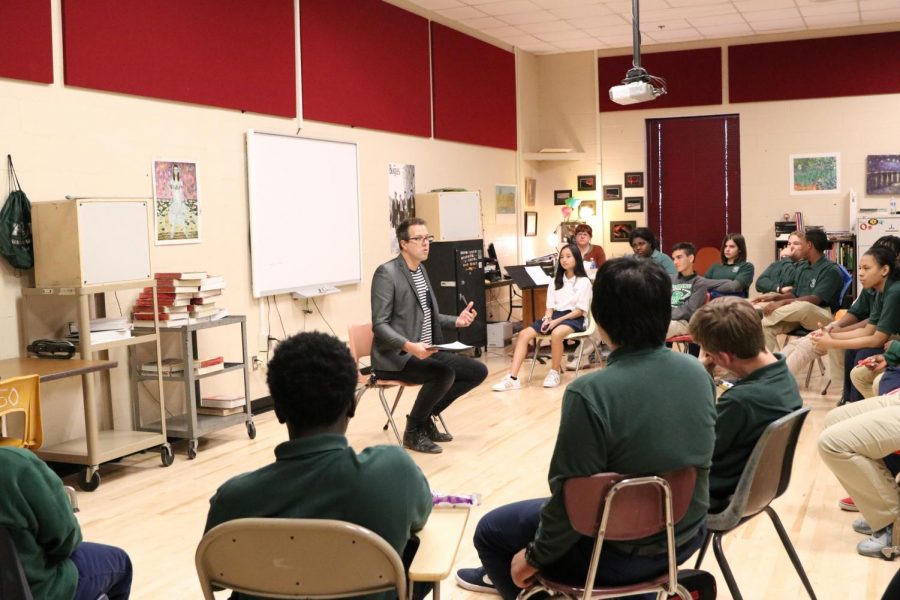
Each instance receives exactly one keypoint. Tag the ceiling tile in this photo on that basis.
(772, 15)
(668, 24)
(674, 35)
(580, 12)
(616, 41)
(563, 3)
(878, 4)
(579, 45)
(778, 25)
(438, 4)
(715, 21)
(535, 16)
(554, 36)
(608, 30)
(508, 7)
(838, 20)
(599, 22)
(746, 6)
(829, 8)
(463, 12)
(483, 23)
(546, 26)
(720, 31)
(504, 32)
(881, 16)
(683, 3)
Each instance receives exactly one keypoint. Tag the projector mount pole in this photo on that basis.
(637, 72)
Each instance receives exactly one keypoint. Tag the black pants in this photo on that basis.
(444, 377)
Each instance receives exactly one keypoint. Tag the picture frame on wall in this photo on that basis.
(587, 183)
(815, 173)
(176, 201)
(612, 192)
(619, 231)
(560, 197)
(634, 204)
(883, 175)
(531, 223)
(634, 179)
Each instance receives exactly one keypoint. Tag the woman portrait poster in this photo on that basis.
(176, 202)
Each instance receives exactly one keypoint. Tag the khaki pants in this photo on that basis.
(799, 353)
(866, 381)
(790, 316)
(677, 328)
(856, 438)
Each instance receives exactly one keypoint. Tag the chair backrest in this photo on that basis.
(637, 508)
(13, 584)
(22, 395)
(847, 278)
(297, 558)
(705, 258)
(768, 470)
(361, 337)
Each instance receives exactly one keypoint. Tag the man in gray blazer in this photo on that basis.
(407, 323)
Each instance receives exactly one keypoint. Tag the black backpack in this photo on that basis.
(15, 225)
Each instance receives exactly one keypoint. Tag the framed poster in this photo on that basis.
(176, 203)
(530, 223)
(587, 183)
(634, 204)
(620, 230)
(560, 197)
(634, 179)
(815, 173)
(883, 174)
(612, 192)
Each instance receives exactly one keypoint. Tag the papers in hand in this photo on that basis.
(537, 275)
(452, 347)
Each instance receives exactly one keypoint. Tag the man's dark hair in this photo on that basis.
(633, 302)
(645, 234)
(312, 378)
(403, 228)
(819, 239)
(687, 247)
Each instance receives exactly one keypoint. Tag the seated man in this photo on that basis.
(406, 322)
(730, 335)
(780, 274)
(813, 296)
(856, 438)
(316, 475)
(617, 420)
(35, 509)
(689, 290)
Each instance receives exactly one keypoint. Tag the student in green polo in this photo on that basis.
(780, 274)
(812, 298)
(730, 335)
(316, 474)
(734, 269)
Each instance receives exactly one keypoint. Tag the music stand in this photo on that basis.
(524, 282)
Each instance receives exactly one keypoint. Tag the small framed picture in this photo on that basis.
(612, 192)
(634, 204)
(587, 183)
(560, 197)
(620, 230)
(634, 180)
(530, 223)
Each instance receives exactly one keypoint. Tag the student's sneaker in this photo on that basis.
(847, 504)
(475, 580)
(861, 526)
(506, 384)
(878, 541)
(552, 379)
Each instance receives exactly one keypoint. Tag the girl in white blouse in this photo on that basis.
(568, 303)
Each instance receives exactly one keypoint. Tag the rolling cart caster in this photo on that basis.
(166, 455)
(477, 351)
(192, 449)
(251, 430)
(90, 481)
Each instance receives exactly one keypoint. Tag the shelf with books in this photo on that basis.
(188, 371)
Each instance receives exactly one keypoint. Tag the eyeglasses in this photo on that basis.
(421, 239)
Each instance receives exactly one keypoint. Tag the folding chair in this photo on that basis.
(297, 558)
(609, 506)
(577, 335)
(766, 476)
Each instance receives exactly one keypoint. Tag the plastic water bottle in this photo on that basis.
(893, 206)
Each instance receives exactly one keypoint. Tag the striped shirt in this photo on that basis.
(422, 292)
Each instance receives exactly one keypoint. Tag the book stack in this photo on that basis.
(104, 330)
(175, 366)
(221, 405)
(183, 298)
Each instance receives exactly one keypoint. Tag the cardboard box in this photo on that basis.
(499, 334)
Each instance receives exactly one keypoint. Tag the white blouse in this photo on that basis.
(574, 293)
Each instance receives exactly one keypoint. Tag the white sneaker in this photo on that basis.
(506, 384)
(552, 379)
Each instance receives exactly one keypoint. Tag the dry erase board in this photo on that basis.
(304, 213)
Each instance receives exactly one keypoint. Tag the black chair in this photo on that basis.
(766, 476)
(13, 584)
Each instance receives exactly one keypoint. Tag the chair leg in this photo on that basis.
(390, 416)
(393, 408)
(580, 355)
(703, 549)
(808, 376)
(825, 389)
(444, 425)
(537, 347)
(725, 568)
(789, 547)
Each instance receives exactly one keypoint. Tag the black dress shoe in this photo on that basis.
(434, 434)
(417, 439)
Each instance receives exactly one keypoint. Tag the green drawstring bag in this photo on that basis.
(15, 225)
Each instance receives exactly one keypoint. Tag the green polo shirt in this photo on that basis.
(665, 261)
(741, 272)
(36, 511)
(821, 279)
(743, 412)
(777, 275)
(321, 477)
(886, 310)
(862, 306)
(620, 420)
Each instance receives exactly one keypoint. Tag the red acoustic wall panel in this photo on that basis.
(854, 65)
(365, 63)
(227, 53)
(474, 87)
(693, 77)
(26, 44)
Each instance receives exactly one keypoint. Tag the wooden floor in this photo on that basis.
(502, 449)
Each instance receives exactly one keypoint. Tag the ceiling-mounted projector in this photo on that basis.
(634, 92)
